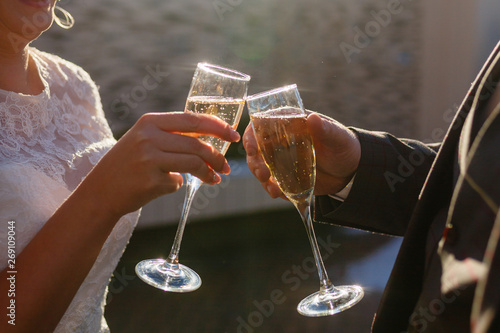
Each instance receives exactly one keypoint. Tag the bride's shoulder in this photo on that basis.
(58, 68)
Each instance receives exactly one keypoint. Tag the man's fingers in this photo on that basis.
(255, 161)
(258, 168)
(328, 131)
(337, 153)
(257, 165)
(273, 190)
(249, 142)
(322, 129)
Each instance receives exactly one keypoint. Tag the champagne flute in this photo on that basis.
(279, 124)
(220, 92)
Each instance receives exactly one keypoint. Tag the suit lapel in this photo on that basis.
(473, 129)
(404, 285)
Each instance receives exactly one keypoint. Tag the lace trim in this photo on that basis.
(54, 129)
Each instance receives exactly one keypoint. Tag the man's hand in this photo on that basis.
(337, 156)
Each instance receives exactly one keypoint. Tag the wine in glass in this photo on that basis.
(280, 126)
(220, 92)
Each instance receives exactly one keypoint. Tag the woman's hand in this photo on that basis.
(337, 156)
(147, 161)
(144, 164)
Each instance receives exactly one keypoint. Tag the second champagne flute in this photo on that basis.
(220, 92)
(280, 126)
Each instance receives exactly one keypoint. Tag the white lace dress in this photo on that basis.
(48, 143)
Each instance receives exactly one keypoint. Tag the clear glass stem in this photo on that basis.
(304, 208)
(193, 184)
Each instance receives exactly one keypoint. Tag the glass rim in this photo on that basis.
(223, 71)
(272, 91)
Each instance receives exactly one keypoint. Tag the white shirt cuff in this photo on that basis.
(342, 194)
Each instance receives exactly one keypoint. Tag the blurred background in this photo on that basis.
(397, 66)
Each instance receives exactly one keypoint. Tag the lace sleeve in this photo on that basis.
(24, 201)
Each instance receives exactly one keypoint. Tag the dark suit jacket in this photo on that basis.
(401, 187)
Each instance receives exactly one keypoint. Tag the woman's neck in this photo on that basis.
(19, 73)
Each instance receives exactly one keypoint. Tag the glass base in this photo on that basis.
(168, 277)
(327, 304)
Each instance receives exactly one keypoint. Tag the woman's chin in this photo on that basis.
(37, 3)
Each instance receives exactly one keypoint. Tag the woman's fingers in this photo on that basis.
(164, 130)
(189, 163)
(187, 122)
(182, 144)
(171, 183)
(151, 156)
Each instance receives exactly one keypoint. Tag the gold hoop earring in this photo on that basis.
(67, 21)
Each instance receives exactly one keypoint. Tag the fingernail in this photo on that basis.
(226, 169)
(216, 178)
(235, 136)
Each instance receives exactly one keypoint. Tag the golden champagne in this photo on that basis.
(287, 148)
(227, 109)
